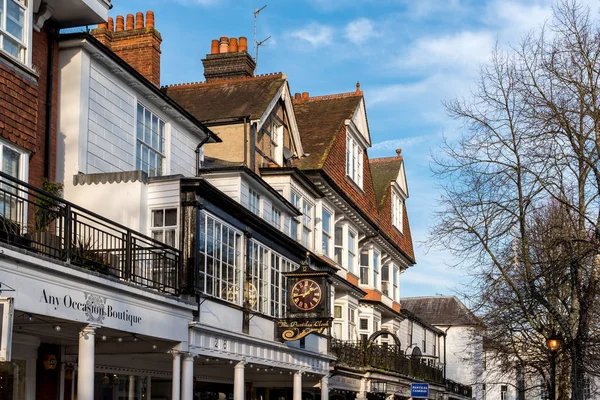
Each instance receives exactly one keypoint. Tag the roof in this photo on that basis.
(440, 310)
(142, 79)
(319, 120)
(227, 98)
(383, 172)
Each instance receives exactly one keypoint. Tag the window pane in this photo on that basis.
(15, 16)
(171, 217)
(157, 218)
(12, 48)
(10, 164)
(338, 236)
(326, 222)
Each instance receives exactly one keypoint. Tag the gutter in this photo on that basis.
(202, 142)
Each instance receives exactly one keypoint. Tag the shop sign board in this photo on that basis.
(419, 390)
(6, 327)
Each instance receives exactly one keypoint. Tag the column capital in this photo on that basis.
(240, 364)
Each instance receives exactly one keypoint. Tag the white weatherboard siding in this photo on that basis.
(183, 153)
(229, 185)
(111, 140)
(460, 352)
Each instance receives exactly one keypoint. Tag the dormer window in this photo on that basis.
(354, 160)
(397, 210)
(277, 143)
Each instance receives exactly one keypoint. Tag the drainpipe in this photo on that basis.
(198, 153)
(52, 34)
(445, 359)
(245, 141)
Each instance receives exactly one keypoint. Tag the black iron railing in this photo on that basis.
(48, 225)
(390, 358)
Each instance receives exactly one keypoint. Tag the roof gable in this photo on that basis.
(228, 98)
(359, 119)
(385, 172)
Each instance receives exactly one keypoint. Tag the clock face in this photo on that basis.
(306, 294)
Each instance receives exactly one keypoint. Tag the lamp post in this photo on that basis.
(554, 342)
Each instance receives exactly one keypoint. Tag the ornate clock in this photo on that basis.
(306, 294)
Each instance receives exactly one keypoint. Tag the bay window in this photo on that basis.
(307, 210)
(396, 295)
(364, 267)
(375, 270)
(338, 243)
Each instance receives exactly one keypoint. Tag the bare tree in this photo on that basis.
(520, 202)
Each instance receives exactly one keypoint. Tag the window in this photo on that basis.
(303, 343)
(307, 223)
(351, 250)
(164, 226)
(385, 280)
(338, 243)
(397, 207)
(13, 163)
(396, 295)
(483, 388)
(337, 312)
(219, 254)
(364, 324)
(14, 377)
(14, 28)
(351, 323)
(503, 392)
(376, 270)
(277, 142)
(276, 217)
(434, 348)
(364, 267)
(253, 201)
(424, 341)
(326, 229)
(295, 200)
(354, 160)
(364, 337)
(150, 141)
(410, 334)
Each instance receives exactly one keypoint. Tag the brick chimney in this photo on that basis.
(228, 58)
(136, 42)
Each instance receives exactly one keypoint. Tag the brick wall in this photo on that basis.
(23, 107)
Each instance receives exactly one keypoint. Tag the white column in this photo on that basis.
(325, 388)
(297, 386)
(239, 386)
(131, 387)
(149, 387)
(176, 385)
(85, 364)
(187, 378)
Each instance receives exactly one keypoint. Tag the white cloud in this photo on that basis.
(399, 143)
(360, 30)
(315, 34)
(457, 51)
(516, 18)
(197, 2)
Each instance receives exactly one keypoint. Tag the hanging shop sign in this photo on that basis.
(6, 327)
(308, 303)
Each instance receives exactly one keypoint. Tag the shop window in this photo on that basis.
(13, 379)
(14, 28)
(150, 142)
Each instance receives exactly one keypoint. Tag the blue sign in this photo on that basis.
(419, 390)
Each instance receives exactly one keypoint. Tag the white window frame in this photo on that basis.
(354, 159)
(397, 210)
(254, 201)
(26, 42)
(396, 283)
(308, 210)
(277, 142)
(338, 248)
(15, 210)
(276, 217)
(376, 269)
(352, 332)
(351, 266)
(141, 144)
(165, 228)
(327, 232)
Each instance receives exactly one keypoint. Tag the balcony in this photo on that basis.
(389, 358)
(49, 226)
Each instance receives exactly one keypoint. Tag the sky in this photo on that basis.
(408, 55)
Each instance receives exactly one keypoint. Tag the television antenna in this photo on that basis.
(257, 44)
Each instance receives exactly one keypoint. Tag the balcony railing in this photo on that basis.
(389, 358)
(48, 225)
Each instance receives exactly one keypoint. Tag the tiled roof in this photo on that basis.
(440, 310)
(227, 98)
(319, 120)
(384, 171)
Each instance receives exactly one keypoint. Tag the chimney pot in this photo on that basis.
(398, 152)
(149, 19)
(233, 45)
(103, 25)
(214, 47)
(139, 20)
(111, 24)
(120, 23)
(305, 96)
(129, 25)
(243, 44)
(224, 45)
(297, 96)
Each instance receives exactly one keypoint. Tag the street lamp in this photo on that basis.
(554, 342)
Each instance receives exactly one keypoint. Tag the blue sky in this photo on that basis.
(409, 55)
